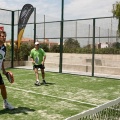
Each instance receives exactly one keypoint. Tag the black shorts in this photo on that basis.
(39, 66)
(1, 80)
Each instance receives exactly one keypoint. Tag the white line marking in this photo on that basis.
(20, 74)
(29, 91)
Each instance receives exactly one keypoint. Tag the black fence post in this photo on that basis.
(12, 40)
(61, 37)
(93, 50)
(34, 25)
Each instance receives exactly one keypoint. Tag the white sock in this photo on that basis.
(5, 100)
(37, 80)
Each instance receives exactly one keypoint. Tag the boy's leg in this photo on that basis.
(36, 73)
(37, 77)
(43, 76)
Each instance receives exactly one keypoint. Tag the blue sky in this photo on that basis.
(73, 9)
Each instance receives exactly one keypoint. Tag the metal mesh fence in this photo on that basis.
(5, 21)
(81, 30)
(105, 30)
(5, 16)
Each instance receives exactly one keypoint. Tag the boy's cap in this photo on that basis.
(36, 43)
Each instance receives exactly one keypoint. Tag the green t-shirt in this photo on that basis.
(37, 55)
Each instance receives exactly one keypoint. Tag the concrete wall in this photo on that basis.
(104, 64)
(100, 60)
(16, 63)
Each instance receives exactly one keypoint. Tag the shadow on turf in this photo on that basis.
(18, 110)
(47, 84)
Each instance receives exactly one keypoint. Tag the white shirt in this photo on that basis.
(2, 55)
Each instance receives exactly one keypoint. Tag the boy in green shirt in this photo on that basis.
(38, 57)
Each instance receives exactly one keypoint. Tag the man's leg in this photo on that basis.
(3, 91)
(4, 96)
(3, 88)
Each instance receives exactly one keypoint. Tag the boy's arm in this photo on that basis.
(44, 59)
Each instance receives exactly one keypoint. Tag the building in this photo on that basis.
(31, 41)
(103, 45)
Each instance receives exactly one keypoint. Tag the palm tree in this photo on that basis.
(116, 13)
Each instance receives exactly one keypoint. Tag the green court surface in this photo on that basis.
(64, 95)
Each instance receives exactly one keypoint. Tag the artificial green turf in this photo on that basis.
(59, 99)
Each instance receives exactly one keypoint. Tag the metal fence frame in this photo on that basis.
(61, 37)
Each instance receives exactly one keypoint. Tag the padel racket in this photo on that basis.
(10, 76)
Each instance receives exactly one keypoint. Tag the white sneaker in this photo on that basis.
(37, 83)
(8, 106)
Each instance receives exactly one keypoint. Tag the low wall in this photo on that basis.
(100, 59)
(7, 64)
(103, 64)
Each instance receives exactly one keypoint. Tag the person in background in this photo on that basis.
(2, 58)
(38, 57)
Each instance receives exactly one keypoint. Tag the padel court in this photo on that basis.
(63, 96)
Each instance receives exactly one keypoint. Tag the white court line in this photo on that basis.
(29, 91)
(19, 74)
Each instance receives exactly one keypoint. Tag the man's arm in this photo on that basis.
(3, 68)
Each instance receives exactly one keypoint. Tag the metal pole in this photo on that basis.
(108, 36)
(93, 50)
(111, 31)
(44, 28)
(12, 40)
(99, 34)
(76, 30)
(34, 25)
(89, 36)
(61, 37)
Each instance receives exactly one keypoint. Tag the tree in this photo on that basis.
(45, 47)
(8, 52)
(55, 48)
(24, 51)
(116, 45)
(71, 45)
(116, 13)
